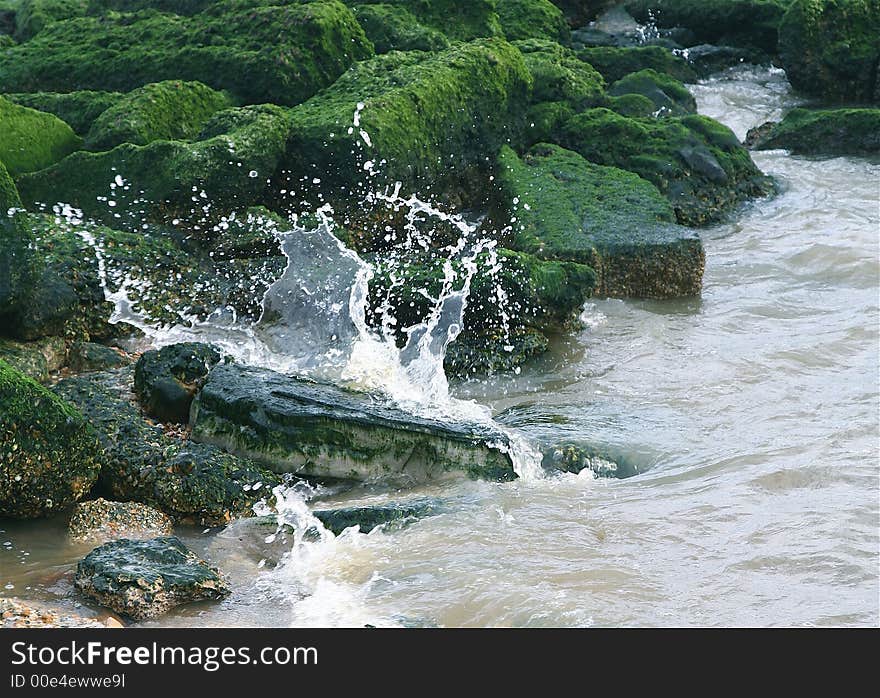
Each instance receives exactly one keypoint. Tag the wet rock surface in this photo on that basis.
(99, 520)
(16, 613)
(318, 429)
(167, 379)
(186, 480)
(821, 132)
(369, 517)
(144, 579)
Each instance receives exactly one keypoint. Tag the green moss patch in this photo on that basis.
(825, 132)
(31, 140)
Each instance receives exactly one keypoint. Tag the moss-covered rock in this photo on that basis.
(50, 454)
(368, 517)
(462, 21)
(822, 132)
(533, 19)
(830, 49)
(35, 359)
(431, 119)
(100, 520)
(613, 63)
(567, 208)
(33, 15)
(8, 193)
(737, 22)
(634, 105)
(171, 110)
(240, 148)
(77, 109)
(18, 265)
(31, 140)
(275, 53)
(322, 430)
(696, 162)
(395, 28)
(188, 481)
(558, 75)
(144, 579)
(668, 95)
(167, 379)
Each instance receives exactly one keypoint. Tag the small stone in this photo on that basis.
(144, 579)
(101, 520)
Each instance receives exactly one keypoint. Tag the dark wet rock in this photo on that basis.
(50, 453)
(78, 109)
(35, 359)
(368, 517)
(31, 140)
(89, 356)
(575, 458)
(317, 429)
(144, 579)
(696, 162)
(707, 58)
(188, 481)
(18, 264)
(167, 379)
(479, 352)
(251, 235)
(173, 110)
(16, 613)
(821, 132)
(613, 221)
(100, 520)
(751, 23)
(830, 49)
(614, 63)
(668, 95)
(579, 12)
(266, 53)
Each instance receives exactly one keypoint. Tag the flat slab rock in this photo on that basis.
(144, 579)
(100, 520)
(322, 430)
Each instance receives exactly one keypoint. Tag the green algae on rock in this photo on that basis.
(171, 110)
(821, 132)
(276, 53)
(18, 263)
(189, 481)
(558, 75)
(33, 15)
(31, 140)
(100, 520)
(830, 49)
(50, 453)
(144, 579)
(668, 95)
(430, 117)
(613, 221)
(322, 430)
(613, 62)
(371, 516)
(167, 379)
(238, 150)
(533, 19)
(696, 162)
(35, 359)
(395, 28)
(77, 109)
(8, 193)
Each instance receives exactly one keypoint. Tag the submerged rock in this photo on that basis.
(610, 220)
(167, 379)
(821, 132)
(369, 517)
(321, 430)
(830, 49)
(15, 613)
(188, 481)
(100, 520)
(50, 454)
(575, 458)
(144, 579)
